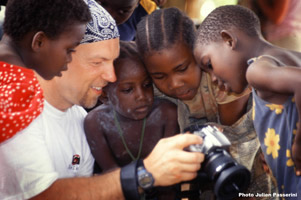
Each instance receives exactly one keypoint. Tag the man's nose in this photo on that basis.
(108, 73)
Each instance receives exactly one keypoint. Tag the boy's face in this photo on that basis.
(120, 10)
(55, 54)
(132, 94)
(225, 65)
(174, 71)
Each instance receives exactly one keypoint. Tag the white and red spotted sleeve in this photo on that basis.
(21, 99)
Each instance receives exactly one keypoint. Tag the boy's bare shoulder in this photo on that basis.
(288, 57)
(102, 112)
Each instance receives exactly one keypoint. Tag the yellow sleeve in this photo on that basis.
(224, 98)
(148, 5)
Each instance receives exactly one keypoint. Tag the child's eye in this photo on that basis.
(126, 90)
(208, 65)
(182, 69)
(148, 84)
(158, 76)
(123, 11)
(70, 51)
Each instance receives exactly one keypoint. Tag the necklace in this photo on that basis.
(123, 140)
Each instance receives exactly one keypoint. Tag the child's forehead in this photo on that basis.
(127, 65)
(120, 4)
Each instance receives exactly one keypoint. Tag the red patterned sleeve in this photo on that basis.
(21, 99)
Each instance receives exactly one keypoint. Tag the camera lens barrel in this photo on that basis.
(228, 176)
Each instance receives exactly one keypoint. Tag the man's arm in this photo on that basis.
(168, 163)
(106, 186)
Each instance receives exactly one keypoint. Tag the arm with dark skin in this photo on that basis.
(170, 118)
(231, 112)
(170, 127)
(96, 139)
(274, 84)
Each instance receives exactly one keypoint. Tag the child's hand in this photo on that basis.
(296, 155)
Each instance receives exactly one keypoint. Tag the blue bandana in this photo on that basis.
(101, 27)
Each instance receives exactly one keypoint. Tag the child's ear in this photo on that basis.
(229, 38)
(38, 41)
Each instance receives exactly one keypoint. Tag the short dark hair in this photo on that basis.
(164, 28)
(49, 16)
(225, 18)
(128, 49)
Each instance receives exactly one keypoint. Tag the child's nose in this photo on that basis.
(175, 83)
(140, 94)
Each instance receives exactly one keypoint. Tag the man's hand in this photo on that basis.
(170, 164)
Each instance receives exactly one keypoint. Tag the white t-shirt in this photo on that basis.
(53, 146)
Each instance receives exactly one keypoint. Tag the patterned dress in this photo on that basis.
(276, 126)
(21, 99)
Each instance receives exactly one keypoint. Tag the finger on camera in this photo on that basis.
(190, 157)
(181, 141)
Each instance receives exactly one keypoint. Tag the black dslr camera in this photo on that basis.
(219, 168)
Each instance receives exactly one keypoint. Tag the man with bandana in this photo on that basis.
(51, 159)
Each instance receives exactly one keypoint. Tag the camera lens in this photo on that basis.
(228, 176)
(232, 181)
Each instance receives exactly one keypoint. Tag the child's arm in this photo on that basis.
(229, 113)
(97, 142)
(274, 84)
(170, 115)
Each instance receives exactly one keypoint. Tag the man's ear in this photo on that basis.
(38, 41)
(229, 38)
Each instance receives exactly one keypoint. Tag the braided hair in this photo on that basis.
(162, 29)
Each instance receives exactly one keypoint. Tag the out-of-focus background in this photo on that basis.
(197, 10)
(280, 19)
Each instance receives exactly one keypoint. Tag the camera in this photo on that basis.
(219, 168)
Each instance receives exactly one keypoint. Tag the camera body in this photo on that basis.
(228, 177)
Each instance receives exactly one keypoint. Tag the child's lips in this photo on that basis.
(142, 108)
(184, 95)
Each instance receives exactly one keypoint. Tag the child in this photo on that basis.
(166, 40)
(129, 125)
(229, 38)
(127, 14)
(39, 36)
